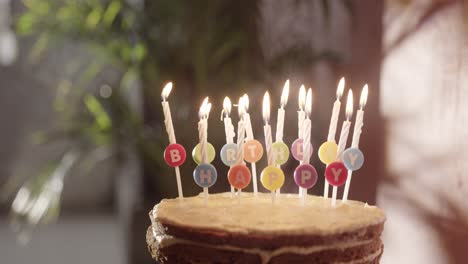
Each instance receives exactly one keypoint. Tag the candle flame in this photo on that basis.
(363, 99)
(227, 106)
(349, 105)
(302, 97)
(246, 102)
(241, 106)
(208, 109)
(166, 91)
(204, 110)
(266, 107)
(308, 105)
(340, 89)
(285, 94)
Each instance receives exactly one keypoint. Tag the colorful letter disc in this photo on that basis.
(272, 178)
(205, 175)
(229, 154)
(253, 151)
(210, 150)
(297, 149)
(175, 155)
(353, 159)
(239, 176)
(336, 173)
(280, 152)
(327, 152)
(305, 176)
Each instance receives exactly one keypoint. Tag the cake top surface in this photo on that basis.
(257, 214)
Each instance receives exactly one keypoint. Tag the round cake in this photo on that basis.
(251, 229)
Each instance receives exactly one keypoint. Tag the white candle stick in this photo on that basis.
(281, 112)
(344, 137)
(203, 135)
(300, 120)
(170, 130)
(301, 113)
(357, 134)
(267, 132)
(240, 136)
(307, 125)
(241, 132)
(228, 126)
(334, 122)
(250, 136)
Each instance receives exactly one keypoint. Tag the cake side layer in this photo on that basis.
(256, 215)
(267, 241)
(177, 250)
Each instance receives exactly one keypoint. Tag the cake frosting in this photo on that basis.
(252, 229)
(256, 214)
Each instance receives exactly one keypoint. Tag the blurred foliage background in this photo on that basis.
(206, 47)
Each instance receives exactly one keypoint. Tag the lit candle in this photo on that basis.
(344, 137)
(301, 113)
(170, 130)
(357, 134)
(250, 136)
(268, 138)
(241, 126)
(203, 136)
(241, 131)
(334, 121)
(267, 127)
(300, 121)
(306, 127)
(281, 112)
(228, 126)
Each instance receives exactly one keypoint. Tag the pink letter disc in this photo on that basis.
(297, 149)
(175, 155)
(336, 173)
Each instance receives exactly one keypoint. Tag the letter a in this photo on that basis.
(240, 178)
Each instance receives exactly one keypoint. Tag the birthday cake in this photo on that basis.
(252, 229)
